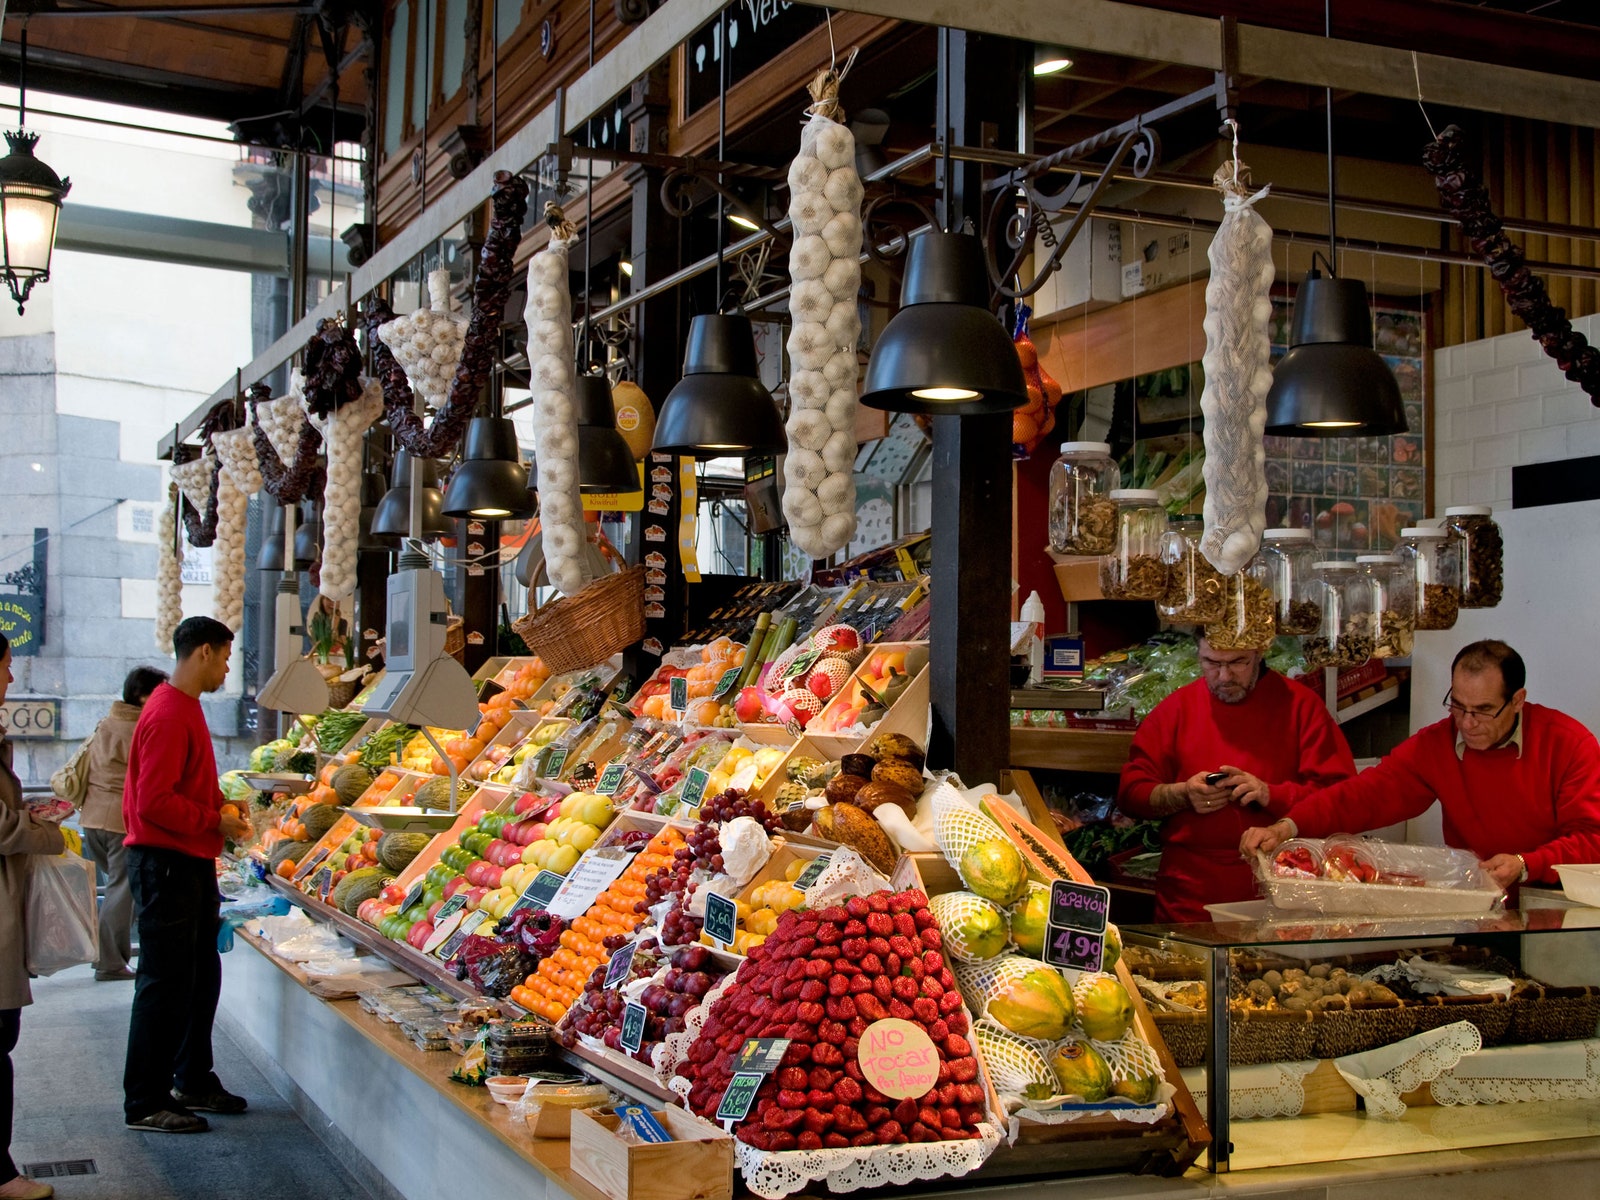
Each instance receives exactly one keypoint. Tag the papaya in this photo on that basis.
(1036, 1004)
(1080, 1071)
(994, 869)
(1028, 918)
(1104, 1009)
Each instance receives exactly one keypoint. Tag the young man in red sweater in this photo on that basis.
(1519, 783)
(173, 810)
(1272, 742)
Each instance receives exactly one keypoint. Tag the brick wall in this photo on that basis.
(1501, 403)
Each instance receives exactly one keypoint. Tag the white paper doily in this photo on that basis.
(1266, 1090)
(1421, 1059)
(776, 1173)
(1451, 1089)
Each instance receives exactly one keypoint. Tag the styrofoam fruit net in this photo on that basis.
(283, 417)
(194, 479)
(957, 826)
(960, 915)
(979, 982)
(1014, 1063)
(237, 450)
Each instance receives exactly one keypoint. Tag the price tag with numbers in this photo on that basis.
(694, 786)
(722, 919)
(633, 1019)
(725, 684)
(1075, 936)
(610, 780)
(678, 692)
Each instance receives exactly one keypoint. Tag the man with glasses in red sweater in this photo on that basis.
(1519, 783)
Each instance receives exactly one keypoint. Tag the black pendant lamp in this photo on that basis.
(270, 557)
(945, 353)
(605, 464)
(720, 407)
(30, 201)
(1332, 382)
(491, 482)
(393, 518)
(308, 537)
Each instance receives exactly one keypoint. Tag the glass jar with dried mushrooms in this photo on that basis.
(1083, 517)
(1133, 570)
(1194, 591)
(1431, 557)
(1286, 563)
(1390, 603)
(1247, 621)
(1482, 554)
(1340, 641)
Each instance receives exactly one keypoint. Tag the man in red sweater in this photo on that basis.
(1519, 783)
(173, 810)
(1271, 741)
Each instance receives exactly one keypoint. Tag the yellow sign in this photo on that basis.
(616, 501)
(688, 517)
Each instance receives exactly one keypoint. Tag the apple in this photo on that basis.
(457, 882)
(433, 909)
(749, 706)
(417, 936)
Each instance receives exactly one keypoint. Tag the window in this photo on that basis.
(422, 77)
(507, 16)
(394, 90)
(455, 47)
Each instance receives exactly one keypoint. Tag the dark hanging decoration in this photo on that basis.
(201, 531)
(491, 290)
(332, 368)
(1463, 196)
(286, 484)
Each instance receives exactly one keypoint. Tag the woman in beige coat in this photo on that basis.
(20, 836)
(103, 829)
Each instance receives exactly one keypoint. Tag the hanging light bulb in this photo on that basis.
(491, 481)
(1050, 60)
(605, 464)
(30, 202)
(393, 518)
(720, 408)
(944, 353)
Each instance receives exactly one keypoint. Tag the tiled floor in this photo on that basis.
(69, 1106)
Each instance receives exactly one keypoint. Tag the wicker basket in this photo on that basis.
(580, 631)
(1253, 1037)
(1489, 1015)
(340, 692)
(1540, 1013)
(455, 639)
(1363, 1028)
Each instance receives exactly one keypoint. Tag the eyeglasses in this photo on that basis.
(1471, 714)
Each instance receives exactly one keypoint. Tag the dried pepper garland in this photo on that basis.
(1463, 196)
(496, 268)
(286, 484)
(333, 368)
(197, 480)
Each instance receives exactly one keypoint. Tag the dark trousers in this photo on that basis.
(10, 1023)
(180, 977)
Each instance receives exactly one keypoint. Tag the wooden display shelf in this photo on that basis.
(1101, 751)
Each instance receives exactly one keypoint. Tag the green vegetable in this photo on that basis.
(387, 743)
(335, 729)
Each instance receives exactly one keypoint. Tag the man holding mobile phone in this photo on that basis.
(1233, 750)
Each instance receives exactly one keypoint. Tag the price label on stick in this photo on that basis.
(621, 964)
(553, 764)
(812, 872)
(415, 894)
(722, 918)
(694, 786)
(633, 1018)
(538, 894)
(678, 692)
(725, 684)
(740, 1097)
(610, 780)
(1075, 936)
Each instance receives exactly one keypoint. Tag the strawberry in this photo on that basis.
(810, 1012)
(932, 962)
(870, 964)
(813, 989)
(939, 1029)
(791, 1099)
(900, 1010)
(972, 1114)
(857, 1027)
(806, 1140)
(944, 1071)
(875, 1115)
(872, 1094)
(964, 1070)
(854, 929)
(957, 1046)
(853, 1069)
(847, 1090)
(931, 938)
(761, 1139)
(950, 1002)
(880, 924)
(842, 1008)
(850, 1047)
(892, 964)
(928, 1115)
(879, 902)
(932, 988)
(819, 1098)
(859, 984)
(954, 1135)
(947, 1094)
(834, 1141)
(785, 1012)
(906, 1113)
(792, 1078)
(957, 1022)
(825, 1055)
(785, 1119)
(903, 946)
(802, 946)
(783, 1140)
(905, 924)
(848, 1120)
(883, 987)
(904, 988)
(920, 1133)
(854, 947)
(950, 1118)
(857, 906)
(831, 1032)
(819, 968)
(915, 898)
(826, 953)
(839, 985)
(926, 1010)
(878, 946)
(829, 935)
(924, 919)
(822, 1079)
(801, 1031)
(946, 978)
(836, 914)
(867, 1138)
(819, 1120)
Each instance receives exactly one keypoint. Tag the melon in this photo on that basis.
(350, 783)
(396, 850)
(435, 793)
(356, 888)
(318, 819)
(994, 869)
(1036, 1004)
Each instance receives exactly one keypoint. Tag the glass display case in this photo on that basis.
(1349, 1037)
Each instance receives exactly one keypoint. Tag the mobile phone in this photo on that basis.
(1216, 778)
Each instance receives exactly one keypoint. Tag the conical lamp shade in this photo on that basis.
(491, 481)
(1332, 383)
(720, 407)
(308, 536)
(605, 464)
(393, 518)
(944, 353)
(271, 556)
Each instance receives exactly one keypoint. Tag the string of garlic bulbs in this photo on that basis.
(197, 479)
(555, 416)
(819, 499)
(227, 553)
(169, 572)
(237, 452)
(282, 419)
(342, 433)
(427, 343)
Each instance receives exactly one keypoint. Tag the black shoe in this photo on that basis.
(170, 1120)
(219, 1101)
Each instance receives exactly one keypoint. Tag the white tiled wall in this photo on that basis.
(1501, 403)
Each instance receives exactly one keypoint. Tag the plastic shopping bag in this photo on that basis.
(62, 930)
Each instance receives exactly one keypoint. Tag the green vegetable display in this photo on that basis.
(336, 727)
(387, 743)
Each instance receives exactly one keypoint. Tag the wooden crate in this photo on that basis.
(908, 714)
(698, 1165)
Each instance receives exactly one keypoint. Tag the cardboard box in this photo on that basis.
(697, 1166)
(1089, 276)
(1079, 578)
(1160, 256)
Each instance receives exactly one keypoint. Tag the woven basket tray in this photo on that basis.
(1350, 1032)
(1553, 1014)
(1253, 1037)
(1490, 1016)
(579, 631)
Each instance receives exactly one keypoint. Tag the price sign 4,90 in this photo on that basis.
(1076, 933)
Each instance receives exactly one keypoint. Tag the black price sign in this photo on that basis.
(553, 764)
(322, 883)
(725, 684)
(610, 780)
(740, 1097)
(538, 894)
(813, 871)
(469, 925)
(621, 964)
(1076, 934)
(633, 1016)
(722, 918)
(678, 692)
(453, 905)
(694, 786)
(415, 894)
(761, 1054)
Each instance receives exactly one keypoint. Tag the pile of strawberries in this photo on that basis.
(819, 980)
